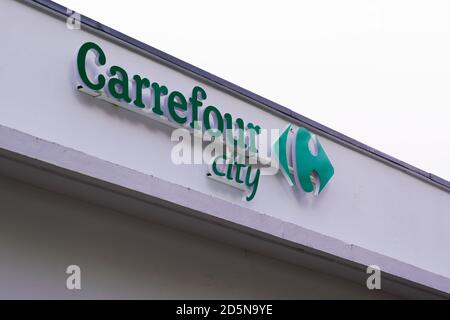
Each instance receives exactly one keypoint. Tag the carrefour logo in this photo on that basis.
(236, 153)
(310, 168)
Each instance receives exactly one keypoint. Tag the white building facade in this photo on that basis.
(87, 178)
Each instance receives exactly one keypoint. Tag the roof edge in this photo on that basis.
(87, 172)
(429, 177)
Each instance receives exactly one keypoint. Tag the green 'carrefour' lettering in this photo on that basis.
(81, 64)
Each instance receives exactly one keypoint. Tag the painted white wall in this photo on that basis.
(122, 257)
(366, 203)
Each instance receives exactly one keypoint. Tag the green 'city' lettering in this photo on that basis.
(234, 171)
(252, 182)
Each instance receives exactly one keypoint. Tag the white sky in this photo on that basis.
(377, 71)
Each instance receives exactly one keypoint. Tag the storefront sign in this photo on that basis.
(308, 168)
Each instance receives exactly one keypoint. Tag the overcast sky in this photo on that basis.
(377, 71)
